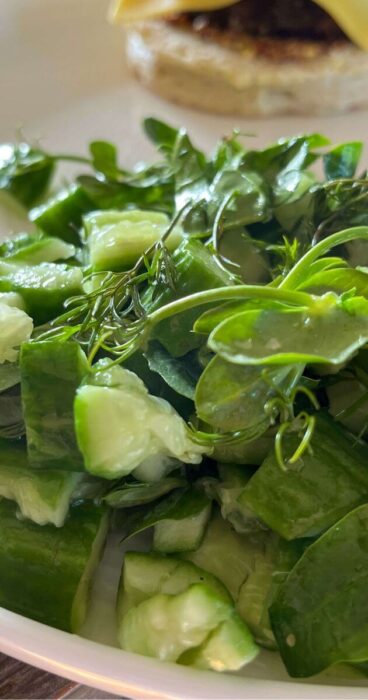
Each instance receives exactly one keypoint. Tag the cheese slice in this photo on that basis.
(350, 15)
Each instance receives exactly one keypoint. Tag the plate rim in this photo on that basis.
(116, 671)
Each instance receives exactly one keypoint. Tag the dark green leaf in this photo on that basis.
(179, 505)
(135, 493)
(342, 161)
(320, 615)
(180, 374)
(105, 158)
(25, 172)
(231, 397)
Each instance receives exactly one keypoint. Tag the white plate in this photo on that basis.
(63, 80)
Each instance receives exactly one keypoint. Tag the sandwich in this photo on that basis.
(251, 57)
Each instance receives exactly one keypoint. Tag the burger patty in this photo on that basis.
(279, 19)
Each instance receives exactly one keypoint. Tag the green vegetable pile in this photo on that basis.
(184, 350)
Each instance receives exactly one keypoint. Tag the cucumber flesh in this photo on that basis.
(43, 288)
(226, 554)
(51, 372)
(43, 250)
(45, 572)
(228, 648)
(15, 328)
(165, 626)
(117, 239)
(136, 425)
(170, 536)
(145, 575)
(41, 496)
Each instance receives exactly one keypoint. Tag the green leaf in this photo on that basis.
(248, 199)
(162, 135)
(337, 280)
(316, 491)
(179, 373)
(342, 161)
(230, 397)
(135, 493)
(320, 615)
(209, 320)
(105, 158)
(25, 172)
(179, 505)
(107, 194)
(330, 335)
(286, 155)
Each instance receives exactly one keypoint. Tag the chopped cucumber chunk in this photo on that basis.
(170, 536)
(32, 249)
(51, 372)
(228, 648)
(42, 496)
(44, 250)
(326, 483)
(62, 215)
(135, 427)
(45, 572)
(117, 239)
(226, 554)
(145, 575)
(43, 288)
(15, 328)
(165, 626)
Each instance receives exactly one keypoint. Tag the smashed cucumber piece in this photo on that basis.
(46, 572)
(41, 496)
(312, 494)
(32, 249)
(15, 328)
(135, 427)
(167, 626)
(226, 554)
(62, 215)
(116, 239)
(196, 270)
(228, 648)
(51, 372)
(43, 287)
(144, 575)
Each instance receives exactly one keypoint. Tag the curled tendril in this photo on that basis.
(307, 424)
(204, 438)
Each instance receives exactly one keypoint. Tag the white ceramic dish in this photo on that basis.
(63, 80)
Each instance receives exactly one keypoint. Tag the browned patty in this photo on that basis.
(266, 19)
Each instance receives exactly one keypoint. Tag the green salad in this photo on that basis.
(184, 351)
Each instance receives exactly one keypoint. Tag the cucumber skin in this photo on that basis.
(195, 271)
(62, 215)
(41, 567)
(43, 298)
(51, 372)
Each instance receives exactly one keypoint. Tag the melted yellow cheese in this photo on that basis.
(350, 15)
